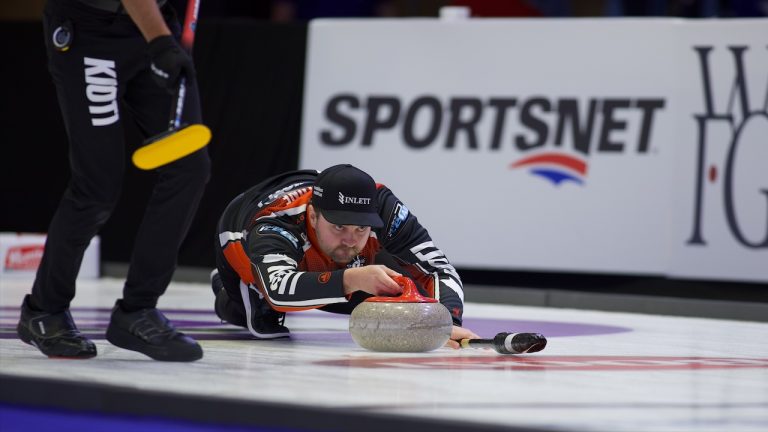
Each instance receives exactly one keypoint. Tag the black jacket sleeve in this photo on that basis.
(275, 250)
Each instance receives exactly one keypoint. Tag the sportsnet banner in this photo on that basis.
(566, 145)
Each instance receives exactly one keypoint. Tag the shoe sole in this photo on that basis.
(123, 339)
(26, 337)
(258, 335)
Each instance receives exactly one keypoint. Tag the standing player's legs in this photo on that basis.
(87, 88)
(136, 324)
(174, 199)
(86, 80)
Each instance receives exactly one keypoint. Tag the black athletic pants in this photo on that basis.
(104, 72)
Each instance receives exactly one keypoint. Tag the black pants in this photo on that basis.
(105, 71)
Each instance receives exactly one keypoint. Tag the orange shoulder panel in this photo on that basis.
(238, 259)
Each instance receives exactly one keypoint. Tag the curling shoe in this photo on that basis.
(55, 335)
(262, 321)
(149, 332)
(227, 310)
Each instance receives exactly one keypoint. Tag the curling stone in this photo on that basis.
(408, 323)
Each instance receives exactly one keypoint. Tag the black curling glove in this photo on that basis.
(169, 62)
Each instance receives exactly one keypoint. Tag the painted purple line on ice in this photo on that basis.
(489, 327)
(207, 327)
(109, 310)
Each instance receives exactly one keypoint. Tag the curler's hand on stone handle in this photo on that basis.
(373, 279)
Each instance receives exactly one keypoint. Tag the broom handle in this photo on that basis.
(190, 24)
(187, 40)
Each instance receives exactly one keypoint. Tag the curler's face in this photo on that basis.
(342, 243)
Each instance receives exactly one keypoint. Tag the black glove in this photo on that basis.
(169, 62)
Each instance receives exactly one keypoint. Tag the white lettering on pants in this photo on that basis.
(101, 91)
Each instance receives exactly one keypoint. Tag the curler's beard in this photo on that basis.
(344, 254)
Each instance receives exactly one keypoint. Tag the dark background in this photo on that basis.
(250, 67)
(251, 77)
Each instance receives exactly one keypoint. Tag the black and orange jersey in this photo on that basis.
(266, 238)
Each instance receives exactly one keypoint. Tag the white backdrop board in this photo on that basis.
(564, 145)
(721, 197)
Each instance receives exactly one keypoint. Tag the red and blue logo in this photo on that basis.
(555, 167)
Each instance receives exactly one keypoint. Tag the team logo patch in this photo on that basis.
(399, 215)
(344, 199)
(62, 37)
(324, 277)
(267, 229)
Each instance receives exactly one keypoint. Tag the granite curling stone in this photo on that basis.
(408, 323)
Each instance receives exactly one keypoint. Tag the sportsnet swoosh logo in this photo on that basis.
(555, 167)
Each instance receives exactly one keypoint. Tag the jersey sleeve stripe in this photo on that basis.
(450, 283)
(228, 236)
(294, 281)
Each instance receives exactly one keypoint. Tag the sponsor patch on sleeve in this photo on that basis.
(269, 229)
(397, 219)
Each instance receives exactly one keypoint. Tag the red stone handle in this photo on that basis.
(410, 293)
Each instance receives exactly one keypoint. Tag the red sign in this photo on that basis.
(24, 257)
